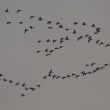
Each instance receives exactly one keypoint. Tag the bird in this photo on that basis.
(61, 46)
(39, 41)
(1, 75)
(61, 41)
(47, 54)
(63, 77)
(101, 67)
(53, 76)
(26, 88)
(56, 48)
(66, 29)
(21, 22)
(89, 72)
(87, 65)
(7, 11)
(10, 81)
(8, 22)
(83, 73)
(79, 38)
(16, 84)
(50, 72)
(4, 79)
(101, 43)
(50, 27)
(45, 77)
(73, 74)
(67, 38)
(105, 64)
(97, 41)
(107, 45)
(38, 51)
(40, 18)
(58, 77)
(46, 50)
(54, 41)
(74, 32)
(97, 68)
(83, 23)
(90, 39)
(92, 64)
(98, 29)
(31, 27)
(18, 11)
(22, 95)
(48, 40)
(58, 23)
(25, 30)
(24, 84)
(38, 86)
(93, 25)
(68, 76)
(61, 26)
(75, 23)
(31, 17)
(49, 22)
(77, 76)
(32, 88)
(51, 51)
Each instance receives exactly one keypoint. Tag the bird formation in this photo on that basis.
(51, 25)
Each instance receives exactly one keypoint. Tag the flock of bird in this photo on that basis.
(60, 41)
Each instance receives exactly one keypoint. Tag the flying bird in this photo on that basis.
(8, 22)
(54, 41)
(25, 30)
(79, 38)
(10, 81)
(22, 95)
(93, 25)
(31, 27)
(50, 27)
(39, 41)
(53, 76)
(21, 22)
(67, 29)
(75, 23)
(49, 22)
(48, 40)
(58, 23)
(83, 73)
(83, 23)
(40, 18)
(107, 45)
(61, 26)
(92, 64)
(7, 11)
(18, 11)
(77, 76)
(31, 17)
(101, 43)
(38, 86)
(97, 41)
(74, 32)
(38, 51)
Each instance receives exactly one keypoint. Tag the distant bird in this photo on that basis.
(46, 50)
(83, 73)
(10, 81)
(101, 43)
(97, 41)
(18, 11)
(87, 65)
(48, 40)
(97, 68)
(53, 76)
(54, 41)
(107, 45)
(25, 30)
(66, 29)
(89, 39)
(79, 38)
(83, 23)
(51, 51)
(105, 64)
(7, 11)
(21, 22)
(47, 54)
(56, 48)
(68, 76)
(39, 41)
(58, 23)
(24, 84)
(16, 84)
(61, 46)
(58, 77)
(92, 64)
(77, 76)
(4, 79)
(87, 35)
(40, 18)
(93, 25)
(98, 29)
(22, 95)
(38, 51)
(101, 67)
(38, 86)
(26, 88)
(50, 72)
(8, 22)
(61, 41)
(75, 23)
(31, 17)
(49, 22)
(67, 38)
(63, 77)
(31, 27)
(50, 27)
(74, 32)
(73, 74)
(1, 75)
(61, 26)
(89, 72)
(45, 77)
(32, 88)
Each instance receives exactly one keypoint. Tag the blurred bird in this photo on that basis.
(8, 22)
(7, 11)
(92, 64)
(83, 23)
(75, 23)
(93, 25)
(25, 30)
(40, 18)
(31, 17)
(22, 95)
(18, 11)
(74, 32)
(50, 27)
(79, 38)
(97, 41)
(49, 22)
(107, 45)
(54, 41)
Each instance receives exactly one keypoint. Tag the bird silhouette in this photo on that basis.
(67, 38)
(53, 76)
(107, 45)
(83, 23)
(31, 17)
(47, 54)
(50, 27)
(45, 77)
(93, 25)
(22, 95)
(63, 77)
(61, 26)
(4, 79)
(10, 81)
(101, 43)
(18, 11)
(54, 41)
(73, 74)
(97, 41)
(49, 22)
(58, 77)
(21, 22)
(31, 27)
(58, 23)
(24, 84)
(77, 76)
(40, 18)
(90, 39)
(25, 30)
(79, 38)
(101, 67)
(38, 51)
(51, 51)
(105, 64)
(46, 50)
(68, 76)
(38, 86)
(48, 40)
(17, 84)
(67, 29)
(1, 75)
(61, 46)
(39, 41)
(83, 73)
(74, 32)
(92, 64)
(7, 11)
(75, 23)
(8, 22)
(87, 65)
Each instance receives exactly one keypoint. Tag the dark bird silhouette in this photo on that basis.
(101, 43)
(1, 75)
(61, 46)
(31, 27)
(97, 68)
(68, 76)
(48, 40)
(87, 35)
(51, 51)
(58, 23)
(8, 22)
(61, 41)
(25, 30)
(31, 17)
(97, 41)
(67, 38)
(79, 38)
(98, 29)
(4, 79)
(39, 41)
(45, 77)
(75, 23)
(7, 11)
(92, 64)
(47, 54)
(73, 74)
(22, 95)
(21, 22)
(87, 65)
(49, 22)
(93, 25)
(46, 50)
(38, 86)
(50, 27)
(105, 64)
(61, 26)
(89, 39)
(53, 76)
(40, 18)
(83, 73)
(67, 29)
(83, 23)
(32, 88)
(17, 84)
(63, 77)
(58, 77)
(101, 67)
(89, 72)
(24, 84)
(107, 45)
(26, 88)
(38, 51)
(10, 81)
(77, 76)
(18, 11)
(50, 72)
(56, 48)
(74, 32)
(54, 41)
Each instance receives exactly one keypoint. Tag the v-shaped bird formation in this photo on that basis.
(70, 34)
